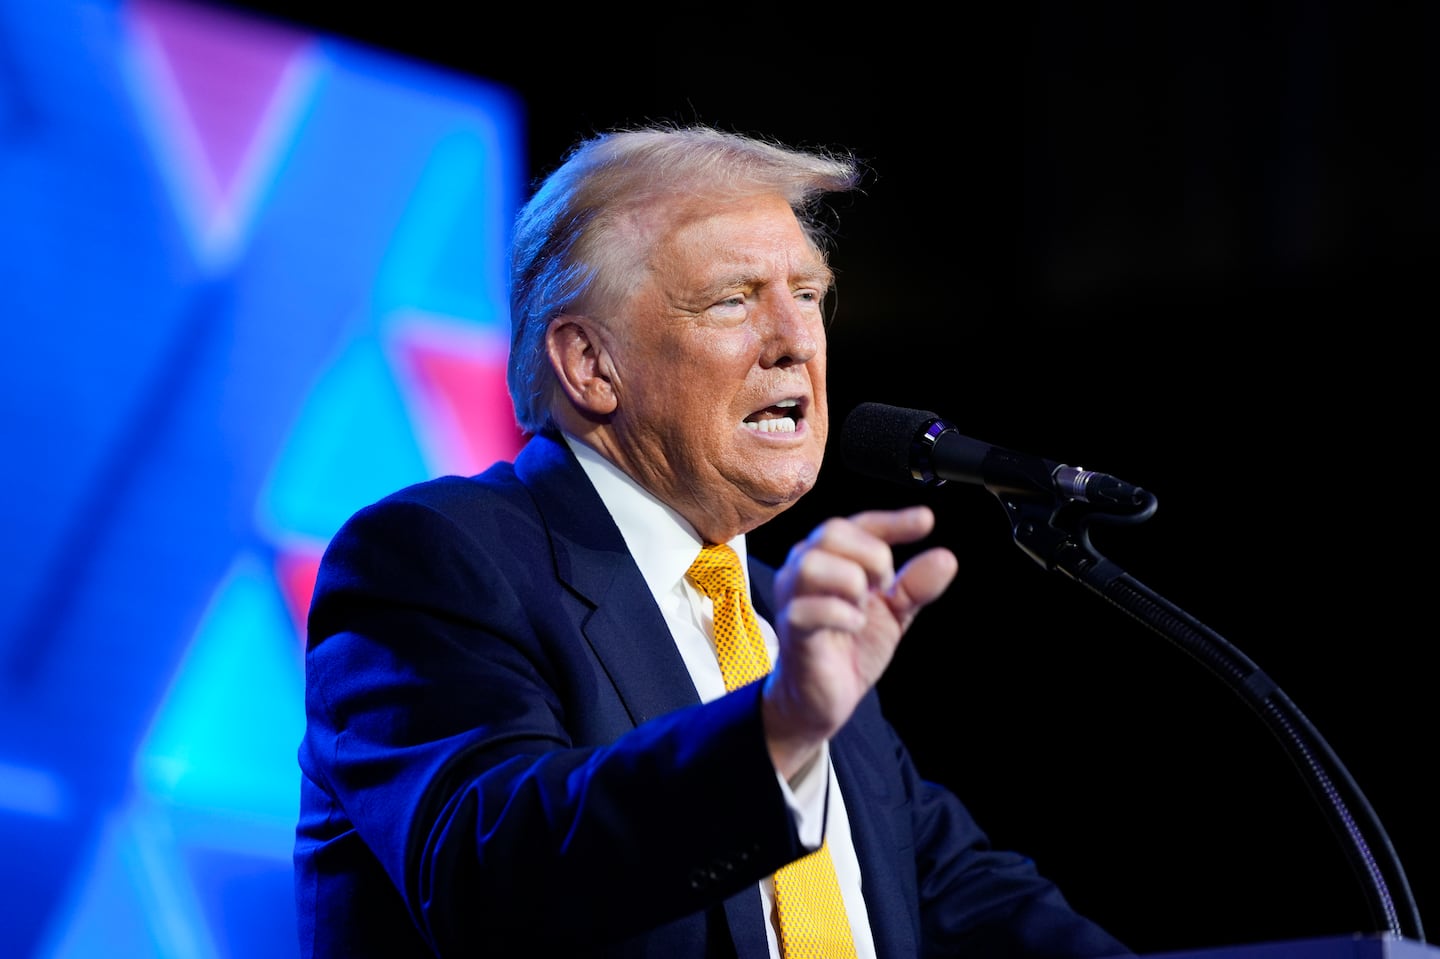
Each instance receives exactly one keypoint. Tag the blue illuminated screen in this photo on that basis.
(251, 278)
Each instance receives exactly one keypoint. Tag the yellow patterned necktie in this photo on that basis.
(807, 895)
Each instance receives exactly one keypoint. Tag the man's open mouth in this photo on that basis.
(779, 418)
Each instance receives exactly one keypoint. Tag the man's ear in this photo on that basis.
(581, 363)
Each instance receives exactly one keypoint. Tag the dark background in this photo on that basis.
(1184, 244)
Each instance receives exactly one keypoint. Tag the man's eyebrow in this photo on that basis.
(819, 274)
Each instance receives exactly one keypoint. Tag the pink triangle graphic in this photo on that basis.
(295, 572)
(227, 70)
(460, 387)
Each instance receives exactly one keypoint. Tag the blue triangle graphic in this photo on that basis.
(352, 444)
(226, 734)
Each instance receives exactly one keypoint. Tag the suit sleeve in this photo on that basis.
(450, 732)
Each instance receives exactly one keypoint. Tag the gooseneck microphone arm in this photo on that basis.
(1051, 508)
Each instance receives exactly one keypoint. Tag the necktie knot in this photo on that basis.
(717, 571)
(739, 644)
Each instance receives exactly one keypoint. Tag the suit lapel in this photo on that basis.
(625, 629)
(856, 770)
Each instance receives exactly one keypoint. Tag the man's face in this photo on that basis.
(720, 366)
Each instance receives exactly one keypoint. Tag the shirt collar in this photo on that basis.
(661, 541)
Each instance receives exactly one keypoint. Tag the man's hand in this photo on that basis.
(842, 611)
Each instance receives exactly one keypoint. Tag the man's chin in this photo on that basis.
(786, 490)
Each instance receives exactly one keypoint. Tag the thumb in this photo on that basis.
(921, 581)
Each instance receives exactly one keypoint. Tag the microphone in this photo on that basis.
(907, 446)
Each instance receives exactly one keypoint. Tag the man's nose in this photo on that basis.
(795, 333)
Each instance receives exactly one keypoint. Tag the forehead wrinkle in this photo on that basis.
(699, 258)
(753, 271)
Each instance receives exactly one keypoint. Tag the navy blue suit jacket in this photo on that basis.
(505, 755)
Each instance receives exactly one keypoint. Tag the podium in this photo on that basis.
(1358, 946)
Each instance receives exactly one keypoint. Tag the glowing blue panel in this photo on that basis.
(213, 232)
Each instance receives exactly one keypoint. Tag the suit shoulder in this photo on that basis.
(496, 484)
(477, 503)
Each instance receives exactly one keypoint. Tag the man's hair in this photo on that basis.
(574, 245)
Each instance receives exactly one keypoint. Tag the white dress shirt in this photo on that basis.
(663, 544)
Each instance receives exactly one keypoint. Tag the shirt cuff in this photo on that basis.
(806, 795)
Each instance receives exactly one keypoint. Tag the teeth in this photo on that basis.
(786, 404)
(782, 425)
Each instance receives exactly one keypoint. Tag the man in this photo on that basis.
(520, 739)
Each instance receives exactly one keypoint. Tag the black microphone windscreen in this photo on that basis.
(879, 440)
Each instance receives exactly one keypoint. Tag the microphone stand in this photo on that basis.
(1054, 531)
